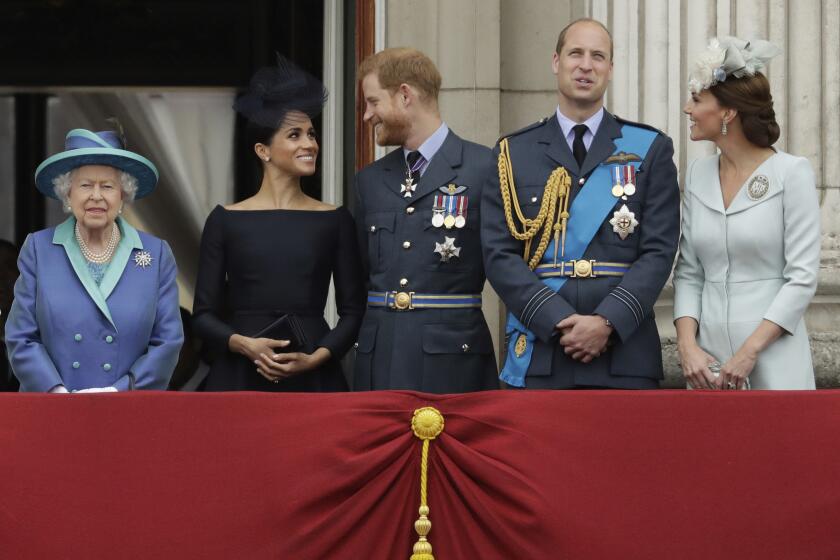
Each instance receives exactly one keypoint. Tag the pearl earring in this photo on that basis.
(723, 130)
(267, 158)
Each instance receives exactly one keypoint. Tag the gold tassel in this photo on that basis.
(427, 423)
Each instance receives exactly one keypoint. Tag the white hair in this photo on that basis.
(63, 182)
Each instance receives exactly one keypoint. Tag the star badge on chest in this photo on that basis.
(624, 222)
(408, 187)
(447, 249)
(142, 259)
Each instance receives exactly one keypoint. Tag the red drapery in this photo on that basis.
(515, 475)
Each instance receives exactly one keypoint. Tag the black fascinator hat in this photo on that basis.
(275, 91)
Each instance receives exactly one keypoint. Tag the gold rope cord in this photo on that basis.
(427, 423)
(556, 190)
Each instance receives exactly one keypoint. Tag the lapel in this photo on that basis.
(705, 183)
(602, 145)
(742, 201)
(441, 169)
(393, 172)
(556, 146)
(128, 243)
(65, 236)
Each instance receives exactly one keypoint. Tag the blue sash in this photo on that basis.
(588, 211)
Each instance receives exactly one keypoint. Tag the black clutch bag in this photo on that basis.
(287, 327)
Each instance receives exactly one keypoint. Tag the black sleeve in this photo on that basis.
(361, 232)
(349, 282)
(209, 302)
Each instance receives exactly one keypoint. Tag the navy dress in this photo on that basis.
(256, 265)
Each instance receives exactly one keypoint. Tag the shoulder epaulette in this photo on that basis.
(639, 124)
(531, 126)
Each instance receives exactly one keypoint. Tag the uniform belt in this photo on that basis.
(582, 268)
(405, 301)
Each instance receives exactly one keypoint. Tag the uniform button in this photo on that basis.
(465, 347)
(372, 229)
(109, 339)
(106, 367)
(76, 365)
(406, 244)
(409, 210)
(533, 199)
(581, 181)
(355, 345)
(403, 282)
(78, 337)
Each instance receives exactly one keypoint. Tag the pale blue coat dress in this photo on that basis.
(758, 259)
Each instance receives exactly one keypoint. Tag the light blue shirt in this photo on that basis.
(592, 124)
(430, 147)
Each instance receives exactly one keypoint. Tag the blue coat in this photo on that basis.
(63, 329)
(633, 359)
(431, 350)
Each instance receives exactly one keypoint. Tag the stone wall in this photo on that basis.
(495, 58)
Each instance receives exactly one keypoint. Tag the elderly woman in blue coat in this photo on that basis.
(96, 304)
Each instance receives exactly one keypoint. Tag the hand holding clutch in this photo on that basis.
(287, 327)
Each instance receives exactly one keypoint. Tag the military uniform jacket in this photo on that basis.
(633, 359)
(433, 350)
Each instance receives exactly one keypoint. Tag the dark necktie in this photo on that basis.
(578, 147)
(415, 163)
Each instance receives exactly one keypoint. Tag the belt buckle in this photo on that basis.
(402, 301)
(582, 268)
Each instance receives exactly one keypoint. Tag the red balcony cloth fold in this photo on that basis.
(515, 475)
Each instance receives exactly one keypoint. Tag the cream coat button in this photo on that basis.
(406, 244)
(409, 210)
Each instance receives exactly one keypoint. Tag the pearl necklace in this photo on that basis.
(104, 256)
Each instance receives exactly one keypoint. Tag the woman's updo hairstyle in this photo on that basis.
(751, 97)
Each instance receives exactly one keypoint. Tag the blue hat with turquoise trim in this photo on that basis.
(83, 147)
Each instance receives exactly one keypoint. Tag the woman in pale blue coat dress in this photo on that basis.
(750, 249)
(96, 304)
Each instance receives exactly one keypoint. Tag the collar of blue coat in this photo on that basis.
(65, 235)
(703, 181)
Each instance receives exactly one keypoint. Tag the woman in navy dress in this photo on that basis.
(274, 253)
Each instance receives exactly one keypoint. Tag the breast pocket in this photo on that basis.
(530, 199)
(456, 357)
(380, 228)
(466, 241)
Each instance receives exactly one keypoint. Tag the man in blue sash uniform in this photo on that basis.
(580, 227)
(417, 210)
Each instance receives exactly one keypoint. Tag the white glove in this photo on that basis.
(59, 389)
(97, 390)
